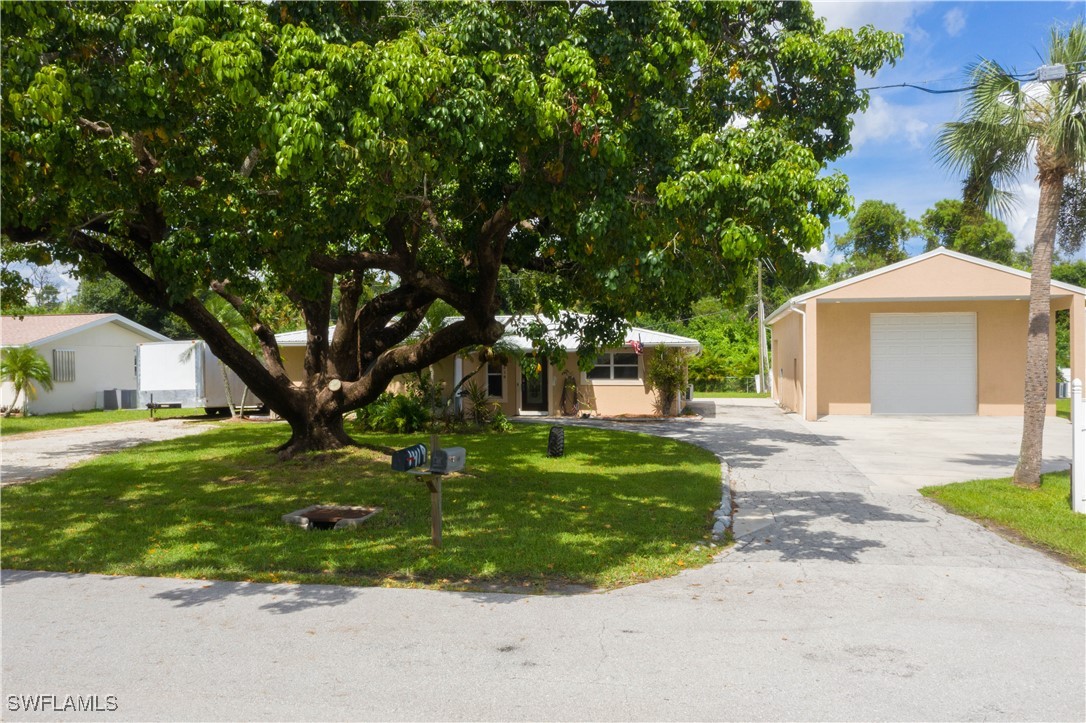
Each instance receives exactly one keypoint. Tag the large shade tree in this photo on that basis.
(1004, 122)
(614, 157)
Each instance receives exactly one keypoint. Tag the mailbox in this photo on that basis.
(448, 459)
(409, 458)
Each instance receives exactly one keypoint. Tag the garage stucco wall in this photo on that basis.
(843, 384)
(787, 361)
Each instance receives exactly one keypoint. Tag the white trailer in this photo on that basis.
(186, 374)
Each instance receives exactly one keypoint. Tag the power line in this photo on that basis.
(1020, 77)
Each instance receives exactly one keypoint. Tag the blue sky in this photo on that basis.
(892, 157)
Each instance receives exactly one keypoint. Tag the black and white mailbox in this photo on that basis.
(442, 462)
(409, 458)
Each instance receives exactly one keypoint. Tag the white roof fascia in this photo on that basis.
(127, 323)
(803, 298)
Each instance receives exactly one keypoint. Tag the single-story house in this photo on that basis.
(89, 354)
(938, 333)
(616, 385)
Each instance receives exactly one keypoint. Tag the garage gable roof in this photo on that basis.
(38, 329)
(980, 284)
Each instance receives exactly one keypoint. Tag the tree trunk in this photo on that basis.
(315, 433)
(229, 393)
(12, 407)
(244, 395)
(1028, 472)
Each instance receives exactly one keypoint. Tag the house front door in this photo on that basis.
(533, 391)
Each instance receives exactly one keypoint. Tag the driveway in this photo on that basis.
(35, 455)
(904, 453)
(839, 601)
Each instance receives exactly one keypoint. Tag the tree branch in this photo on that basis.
(268, 343)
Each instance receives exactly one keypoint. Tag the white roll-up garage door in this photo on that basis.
(923, 364)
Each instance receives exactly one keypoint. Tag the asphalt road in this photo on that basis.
(841, 601)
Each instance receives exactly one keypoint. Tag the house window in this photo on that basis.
(63, 365)
(495, 377)
(615, 365)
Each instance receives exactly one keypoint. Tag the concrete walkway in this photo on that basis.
(839, 602)
(34, 455)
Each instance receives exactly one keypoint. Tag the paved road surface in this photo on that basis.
(839, 602)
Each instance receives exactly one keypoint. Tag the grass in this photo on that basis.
(731, 395)
(1063, 408)
(66, 420)
(619, 508)
(1041, 517)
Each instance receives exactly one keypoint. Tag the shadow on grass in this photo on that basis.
(618, 508)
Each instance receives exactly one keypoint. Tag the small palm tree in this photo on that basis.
(1004, 121)
(22, 366)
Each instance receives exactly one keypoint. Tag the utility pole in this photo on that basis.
(763, 350)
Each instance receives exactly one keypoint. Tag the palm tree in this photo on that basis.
(22, 366)
(1004, 121)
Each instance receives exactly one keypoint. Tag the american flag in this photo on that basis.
(637, 347)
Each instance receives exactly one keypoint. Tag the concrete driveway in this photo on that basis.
(903, 453)
(31, 456)
(840, 601)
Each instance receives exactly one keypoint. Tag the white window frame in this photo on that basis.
(610, 380)
(63, 365)
(500, 373)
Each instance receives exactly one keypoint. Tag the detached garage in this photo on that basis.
(940, 333)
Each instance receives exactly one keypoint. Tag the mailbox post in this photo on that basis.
(442, 462)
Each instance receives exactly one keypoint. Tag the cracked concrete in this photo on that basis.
(843, 599)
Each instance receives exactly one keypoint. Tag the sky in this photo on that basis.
(892, 158)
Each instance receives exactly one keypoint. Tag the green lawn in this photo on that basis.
(730, 395)
(1063, 408)
(1042, 517)
(619, 508)
(65, 420)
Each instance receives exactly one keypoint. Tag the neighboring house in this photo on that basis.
(88, 353)
(616, 385)
(939, 333)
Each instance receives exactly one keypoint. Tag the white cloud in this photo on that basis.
(884, 121)
(954, 22)
(1021, 220)
(822, 255)
(894, 16)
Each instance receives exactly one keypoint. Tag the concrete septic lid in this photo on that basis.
(343, 517)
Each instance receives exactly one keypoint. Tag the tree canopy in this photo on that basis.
(948, 224)
(613, 157)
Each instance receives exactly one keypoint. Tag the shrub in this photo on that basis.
(482, 408)
(396, 413)
(500, 423)
(665, 372)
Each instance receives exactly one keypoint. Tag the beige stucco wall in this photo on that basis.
(105, 358)
(838, 344)
(844, 332)
(601, 397)
(787, 362)
(938, 277)
(293, 361)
